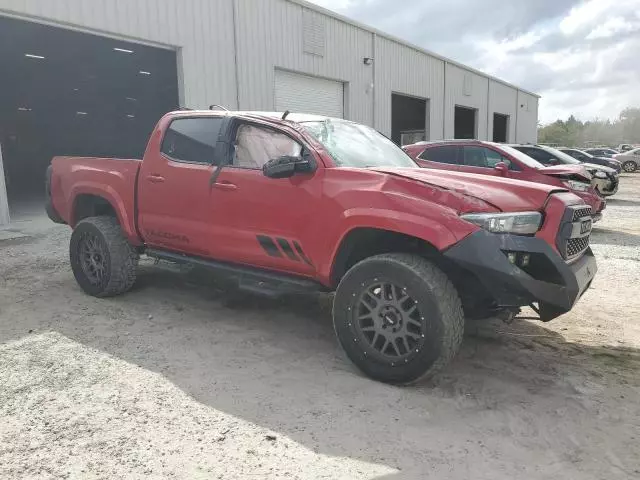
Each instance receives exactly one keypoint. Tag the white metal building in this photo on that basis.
(92, 77)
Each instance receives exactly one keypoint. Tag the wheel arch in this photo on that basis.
(363, 242)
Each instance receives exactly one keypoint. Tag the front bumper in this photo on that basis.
(549, 281)
(606, 186)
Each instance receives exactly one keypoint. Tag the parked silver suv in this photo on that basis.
(630, 160)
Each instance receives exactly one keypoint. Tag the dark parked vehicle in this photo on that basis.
(605, 179)
(585, 157)
(601, 152)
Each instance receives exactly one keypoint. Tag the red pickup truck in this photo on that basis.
(286, 204)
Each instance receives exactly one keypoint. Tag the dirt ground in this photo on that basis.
(178, 380)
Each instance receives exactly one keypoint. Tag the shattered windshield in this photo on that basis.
(354, 145)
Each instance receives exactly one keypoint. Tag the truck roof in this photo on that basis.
(291, 117)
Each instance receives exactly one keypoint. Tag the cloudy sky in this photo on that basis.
(582, 56)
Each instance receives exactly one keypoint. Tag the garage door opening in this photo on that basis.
(70, 93)
(408, 119)
(500, 128)
(300, 93)
(465, 123)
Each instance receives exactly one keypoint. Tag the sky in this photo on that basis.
(581, 56)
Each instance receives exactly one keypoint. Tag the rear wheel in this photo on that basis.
(629, 166)
(398, 318)
(103, 262)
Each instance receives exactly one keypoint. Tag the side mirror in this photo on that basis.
(501, 168)
(553, 161)
(287, 166)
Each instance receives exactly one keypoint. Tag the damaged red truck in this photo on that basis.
(310, 204)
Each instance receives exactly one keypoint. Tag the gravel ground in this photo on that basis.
(179, 380)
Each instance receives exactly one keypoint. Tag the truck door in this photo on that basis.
(174, 194)
(264, 221)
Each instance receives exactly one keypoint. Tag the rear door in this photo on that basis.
(441, 157)
(174, 196)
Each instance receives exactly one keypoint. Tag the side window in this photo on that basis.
(539, 155)
(255, 146)
(493, 158)
(445, 154)
(192, 140)
(475, 157)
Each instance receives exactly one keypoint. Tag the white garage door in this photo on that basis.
(304, 94)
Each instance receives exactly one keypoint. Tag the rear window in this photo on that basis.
(192, 140)
(444, 154)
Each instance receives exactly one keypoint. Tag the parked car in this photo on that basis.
(605, 180)
(311, 204)
(488, 158)
(585, 157)
(626, 147)
(601, 152)
(630, 160)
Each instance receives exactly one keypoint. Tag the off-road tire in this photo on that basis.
(438, 303)
(120, 259)
(629, 167)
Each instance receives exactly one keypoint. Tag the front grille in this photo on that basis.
(581, 213)
(575, 232)
(575, 246)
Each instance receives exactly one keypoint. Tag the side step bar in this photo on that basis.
(254, 280)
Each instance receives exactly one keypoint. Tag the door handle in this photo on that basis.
(225, 186)
(155, 179)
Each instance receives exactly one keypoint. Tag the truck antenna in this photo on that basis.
(218, 107)
(285, 115)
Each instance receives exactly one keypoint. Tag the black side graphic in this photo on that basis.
(301, 253)
(269, 246)
(288, 251)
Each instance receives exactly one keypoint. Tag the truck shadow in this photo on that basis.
(256, 355)
(604, 236)
(618, 202)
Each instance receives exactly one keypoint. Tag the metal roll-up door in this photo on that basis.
(305, 94)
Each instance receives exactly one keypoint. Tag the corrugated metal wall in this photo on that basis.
(236, 67)
(271, 35)
(465, 89)
(502, 99)
(400, 69)
(202, 30)
(527, 118)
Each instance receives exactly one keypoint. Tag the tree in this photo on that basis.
(575, 133)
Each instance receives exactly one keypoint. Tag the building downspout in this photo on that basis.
(489, 109)
(4, 200)
(444, 104)
(374, 80)
(235, 52)
(517, 113)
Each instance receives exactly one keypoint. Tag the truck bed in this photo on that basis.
(114, 178)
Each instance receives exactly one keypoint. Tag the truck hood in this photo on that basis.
(579, 172)
(506, 195)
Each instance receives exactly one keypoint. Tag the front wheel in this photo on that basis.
(398, 318)
(102, 260)
(629, 166)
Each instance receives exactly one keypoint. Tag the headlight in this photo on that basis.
(579, 186)
(600, 174)
(522, 223)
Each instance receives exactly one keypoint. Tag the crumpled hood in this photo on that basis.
(567, 170)
(506, 195)
(602, 168)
